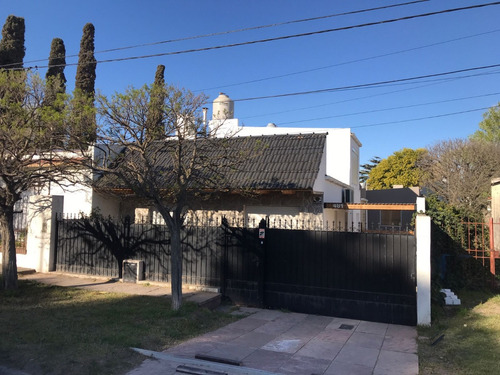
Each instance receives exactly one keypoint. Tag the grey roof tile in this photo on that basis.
(266, 162)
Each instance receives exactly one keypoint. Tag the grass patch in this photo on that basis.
(54, 330)
(471, 342)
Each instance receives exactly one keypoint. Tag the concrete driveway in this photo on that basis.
(275, 342)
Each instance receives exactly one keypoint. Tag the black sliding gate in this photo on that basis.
(366, 276)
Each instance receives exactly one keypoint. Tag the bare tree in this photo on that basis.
(25, 162)
(460, 172)
(168, 172)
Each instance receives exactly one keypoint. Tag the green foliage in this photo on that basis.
(489, 128)
(83, 126)
(12, 44)
(364, 173)
(86, 70)
(56, 80)
(452, 267)
(154, 122)
(401, 168)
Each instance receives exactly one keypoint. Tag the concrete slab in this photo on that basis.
(321, 349)
(304, 365)
(345, 368)
(396, 363)
(358, 356)
(266, 360)
(366, 340)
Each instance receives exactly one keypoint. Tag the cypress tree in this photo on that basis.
(85, 72)
(83, 131)
(12, 49)
(154, 125)
(56, 80)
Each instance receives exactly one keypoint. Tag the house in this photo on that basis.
(341, 157)
(282, 178)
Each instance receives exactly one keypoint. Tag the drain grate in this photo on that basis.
(346, 326)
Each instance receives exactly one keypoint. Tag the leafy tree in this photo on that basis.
(460, 172)
(489, 128)
(12, 44)
(366, 168)
(25, 163)
(83, 123)
(400, 168)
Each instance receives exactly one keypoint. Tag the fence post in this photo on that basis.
(423, 234)
(223, 258)
(262, 261)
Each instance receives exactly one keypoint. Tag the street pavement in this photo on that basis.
(270, 342)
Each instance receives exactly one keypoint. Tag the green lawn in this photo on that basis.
(471, 341)
(54, 330)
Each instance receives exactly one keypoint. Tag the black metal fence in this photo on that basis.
(357, 275)
(80, 249)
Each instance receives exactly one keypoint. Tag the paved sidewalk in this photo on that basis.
(276, 342)
(269, 341)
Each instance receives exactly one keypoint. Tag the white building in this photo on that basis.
(341, 183)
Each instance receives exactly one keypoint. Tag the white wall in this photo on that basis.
(40, 244)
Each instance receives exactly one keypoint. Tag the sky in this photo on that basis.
(367, 76)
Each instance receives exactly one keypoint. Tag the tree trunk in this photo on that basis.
(9, 264)
(176, 265)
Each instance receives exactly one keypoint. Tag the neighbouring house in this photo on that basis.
(391, 209)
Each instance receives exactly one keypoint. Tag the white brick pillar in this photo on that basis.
(40, 246)
(423, 233)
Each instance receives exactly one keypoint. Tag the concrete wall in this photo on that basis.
(423, 233)
(42, 211)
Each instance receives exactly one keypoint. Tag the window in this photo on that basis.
(390, 218)
(347, 196)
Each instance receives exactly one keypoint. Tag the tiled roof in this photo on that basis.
(271, 162)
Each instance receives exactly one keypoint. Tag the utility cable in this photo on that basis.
(420, 118)
(393, 108)
(285, 37)
(366, 85)
(236, 30)
(348, 62)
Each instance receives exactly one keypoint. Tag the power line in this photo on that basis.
(420, 118)
(348, 62)
(392, 108)
(285, 37)
(237, 30)
(366, 85)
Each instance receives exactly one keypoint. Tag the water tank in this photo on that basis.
(223, 108)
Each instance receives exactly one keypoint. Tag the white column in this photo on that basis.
(421, 205)
(423, 233)
(40, 246)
